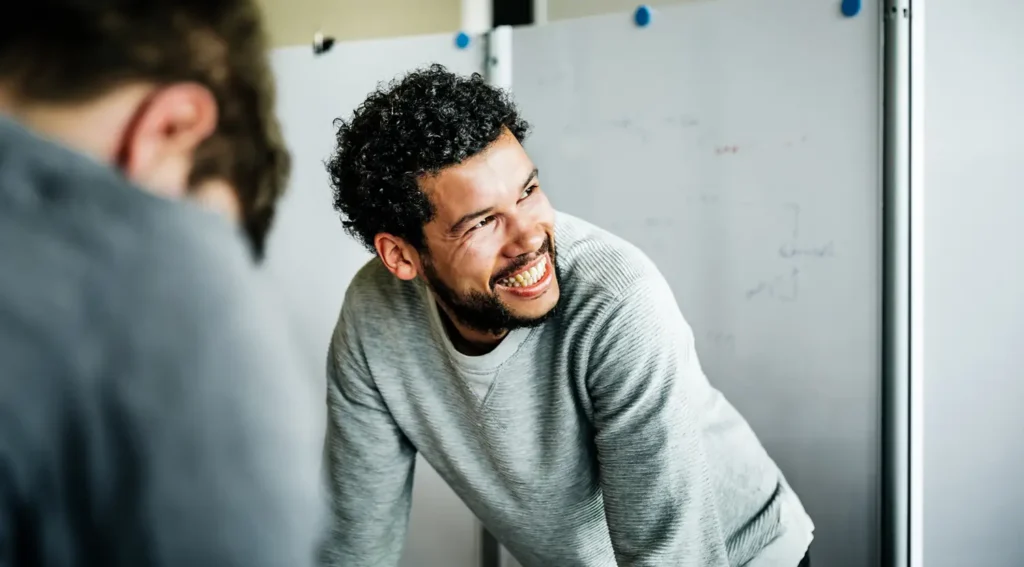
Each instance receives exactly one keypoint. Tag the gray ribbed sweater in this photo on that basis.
(592, 440)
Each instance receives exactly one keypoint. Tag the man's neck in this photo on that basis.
(91, 127)
(469, 342)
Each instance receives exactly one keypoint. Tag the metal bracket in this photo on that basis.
(498, 64)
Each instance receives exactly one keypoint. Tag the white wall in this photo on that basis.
(974, 284)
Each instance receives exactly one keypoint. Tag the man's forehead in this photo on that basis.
(454, 195)
(457, 192)
(480, 181)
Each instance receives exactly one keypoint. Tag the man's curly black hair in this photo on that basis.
(413, 127)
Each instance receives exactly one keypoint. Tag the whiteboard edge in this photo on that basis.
(917, 291)
(896, 283)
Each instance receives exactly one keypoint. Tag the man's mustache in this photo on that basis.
(522, 261)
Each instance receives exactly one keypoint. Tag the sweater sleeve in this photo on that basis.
(369, 462)
(645, 383)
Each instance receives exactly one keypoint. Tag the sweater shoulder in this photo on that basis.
(596, 268)
(375, 299)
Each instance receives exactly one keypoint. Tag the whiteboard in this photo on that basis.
(737, 142)
(973, 274)
(312, 260)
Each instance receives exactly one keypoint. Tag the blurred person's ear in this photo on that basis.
(159, 143)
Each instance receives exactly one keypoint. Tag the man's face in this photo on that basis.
(490, 250)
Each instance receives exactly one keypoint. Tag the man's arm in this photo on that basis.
(370, 463)
(658, 496)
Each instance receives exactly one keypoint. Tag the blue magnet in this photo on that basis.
(462, 40)
(642, 16)
(851, 8)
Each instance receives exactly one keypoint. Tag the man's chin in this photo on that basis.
(533, 313)
(532, 316)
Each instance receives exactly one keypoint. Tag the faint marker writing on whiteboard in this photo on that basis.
(783, 287)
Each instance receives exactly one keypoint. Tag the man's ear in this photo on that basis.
(160, 148)
(397, 255)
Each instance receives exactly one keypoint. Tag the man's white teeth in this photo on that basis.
(526, 278)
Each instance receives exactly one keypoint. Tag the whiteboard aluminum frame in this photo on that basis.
(915, 535)
(499, 57)
(896, 301)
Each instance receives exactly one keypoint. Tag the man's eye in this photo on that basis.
(482, 223)
(527, 192)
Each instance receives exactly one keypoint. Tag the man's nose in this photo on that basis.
(526, 237)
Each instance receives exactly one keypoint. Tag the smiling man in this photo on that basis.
(539, 364)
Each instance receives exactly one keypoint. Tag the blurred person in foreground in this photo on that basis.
(149, 413)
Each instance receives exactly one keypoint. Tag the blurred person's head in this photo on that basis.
(176, 94)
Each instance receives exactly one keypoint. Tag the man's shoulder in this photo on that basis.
(118, 284)
(83, 221)
(186, 267)
(597, 266)
(88, 252)
(372, 280)
(375, 294)
(378, 309)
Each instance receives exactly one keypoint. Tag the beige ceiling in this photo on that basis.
(293, 22)
(561, 9)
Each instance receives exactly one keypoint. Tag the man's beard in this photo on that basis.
(486, 312)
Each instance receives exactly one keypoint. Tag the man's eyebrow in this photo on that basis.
(533, 175)
(457, 227)
(460, 224)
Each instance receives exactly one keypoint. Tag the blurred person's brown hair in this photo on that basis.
(72, 51)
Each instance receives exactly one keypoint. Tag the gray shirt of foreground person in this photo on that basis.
(593, 440)
(150, 411)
